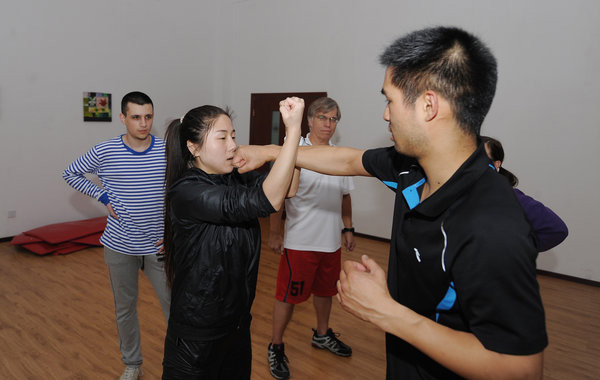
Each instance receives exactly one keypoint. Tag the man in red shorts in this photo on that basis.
(311, 253)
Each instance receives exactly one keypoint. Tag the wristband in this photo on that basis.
(104, 199)
(346, 229)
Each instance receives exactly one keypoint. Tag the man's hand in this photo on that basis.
(111, 211)
(161, 249)
(362, 289)
(251, 157)
(276, 243)
(349, 242)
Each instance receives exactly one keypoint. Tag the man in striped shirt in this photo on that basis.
(131, 169)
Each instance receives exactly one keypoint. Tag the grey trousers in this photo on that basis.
(123, 272)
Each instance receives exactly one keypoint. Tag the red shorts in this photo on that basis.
(302, 273)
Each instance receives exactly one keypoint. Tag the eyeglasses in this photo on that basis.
(332, 119)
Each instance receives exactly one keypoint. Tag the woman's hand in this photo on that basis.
(291, 110)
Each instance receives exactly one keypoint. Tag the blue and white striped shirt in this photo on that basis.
(133, 183)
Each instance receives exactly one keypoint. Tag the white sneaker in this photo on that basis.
(131, 373)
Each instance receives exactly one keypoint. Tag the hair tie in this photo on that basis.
(181, 120)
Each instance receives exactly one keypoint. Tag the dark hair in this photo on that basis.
(135, 97)
(450, 61)
(497, 154)
(194, 127)
(323, 104)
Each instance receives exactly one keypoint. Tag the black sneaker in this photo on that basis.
(331, 342)
(278, 361)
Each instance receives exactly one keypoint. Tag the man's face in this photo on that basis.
(406, 132)
(322, 126)
(138, 120)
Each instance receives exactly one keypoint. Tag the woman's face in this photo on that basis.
(215, 156)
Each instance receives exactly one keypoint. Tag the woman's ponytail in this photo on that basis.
(176, 165)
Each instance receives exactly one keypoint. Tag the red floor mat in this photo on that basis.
(62, 238)
(67, 231)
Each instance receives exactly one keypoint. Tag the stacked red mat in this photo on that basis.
(62, 238)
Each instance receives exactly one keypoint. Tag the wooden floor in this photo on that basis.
(57, 322)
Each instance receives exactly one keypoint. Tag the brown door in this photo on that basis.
(266, 125)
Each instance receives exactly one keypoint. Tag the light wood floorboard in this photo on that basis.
(57, 322)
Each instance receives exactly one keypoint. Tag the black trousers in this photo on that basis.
(228, 358)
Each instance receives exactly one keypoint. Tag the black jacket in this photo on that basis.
(216, 251)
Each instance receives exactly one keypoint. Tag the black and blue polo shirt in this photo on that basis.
(464, 257)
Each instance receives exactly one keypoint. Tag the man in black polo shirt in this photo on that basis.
(461, 298)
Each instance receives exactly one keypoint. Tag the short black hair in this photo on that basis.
(135, 97)
(450, 61)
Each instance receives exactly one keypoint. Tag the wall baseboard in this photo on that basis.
(568, 278)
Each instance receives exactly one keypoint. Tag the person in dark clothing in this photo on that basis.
(212, 240)
(461, 298)
(549, 229)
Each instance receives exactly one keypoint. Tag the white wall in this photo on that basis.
(51, 52)
(220, 52)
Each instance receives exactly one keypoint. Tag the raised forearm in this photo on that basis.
(280, 176)
(279, 179)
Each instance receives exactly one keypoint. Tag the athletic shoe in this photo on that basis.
(331, 342)
(131, 373)
(278, 361)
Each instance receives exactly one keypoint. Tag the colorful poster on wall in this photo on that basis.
(97, 106)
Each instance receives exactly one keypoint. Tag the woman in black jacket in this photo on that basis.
(212, 240)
